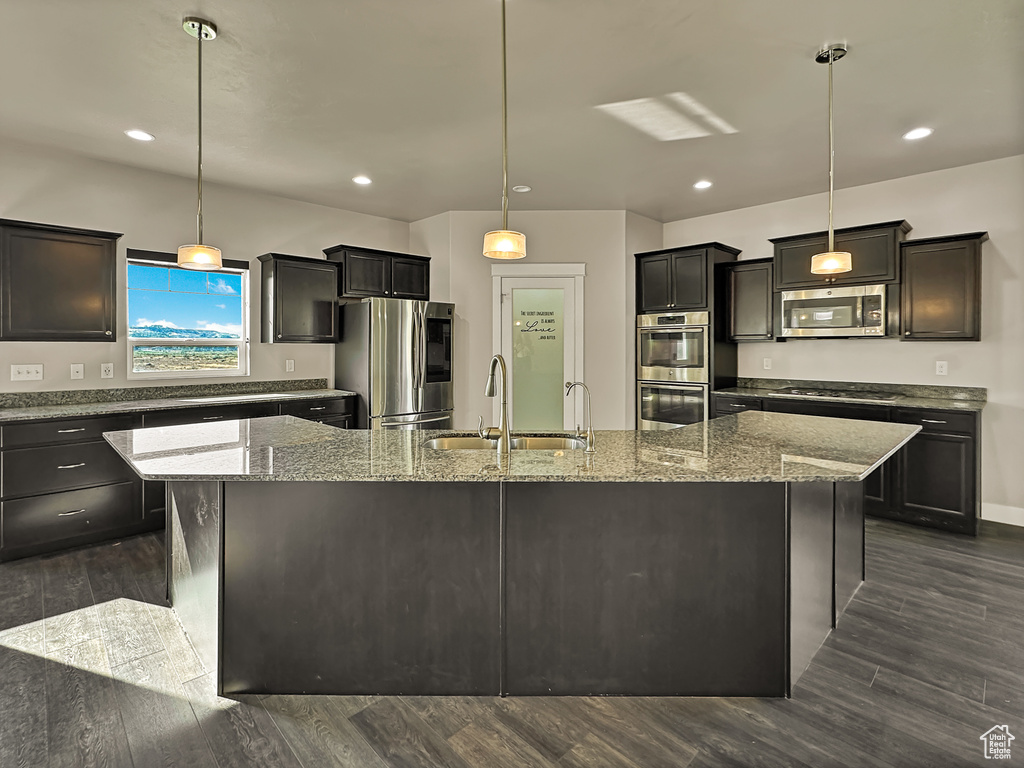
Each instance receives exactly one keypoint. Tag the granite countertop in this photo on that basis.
(753, 446)
(105, 408)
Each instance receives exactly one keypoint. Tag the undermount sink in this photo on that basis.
(518, 444)
(548, 443)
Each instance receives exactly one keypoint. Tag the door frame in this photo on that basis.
(576, 271)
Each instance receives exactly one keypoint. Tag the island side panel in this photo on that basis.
(646, 588)
(811, 574)
(849, 565)
(193, 583)
(361, 588)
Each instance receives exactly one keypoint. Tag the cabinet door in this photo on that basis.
(175, 416)
(690, 280)
(410, 278)
(654, 283)
(56, 285)
(874, 255)
(305, 301)
(941, 297)
(936, 481)
(366, 274)
(830, 410)
(750, 301)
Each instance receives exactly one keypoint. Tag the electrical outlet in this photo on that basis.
(289, 366)
(106, 370)
(941, 367)
(26, 372)
(77, 371)
(767, 363)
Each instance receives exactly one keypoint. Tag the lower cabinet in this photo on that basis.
(62, 485)
(933, 480)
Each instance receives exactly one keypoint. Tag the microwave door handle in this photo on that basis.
(858, 320)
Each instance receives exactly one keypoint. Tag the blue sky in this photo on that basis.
(179, 298)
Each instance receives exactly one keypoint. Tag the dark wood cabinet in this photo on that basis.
(678, 278)
(367, 272)
(723, 405)
(750, 300)
(57, 283)
(941, 293)
(299, 300)
(874, 249)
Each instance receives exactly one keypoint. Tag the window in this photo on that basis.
(184, 323)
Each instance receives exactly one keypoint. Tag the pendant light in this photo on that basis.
(197, 255)
(504, 243)
(831, 262)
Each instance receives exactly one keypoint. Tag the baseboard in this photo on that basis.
(1002, 513)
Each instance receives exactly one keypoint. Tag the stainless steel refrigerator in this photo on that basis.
(397, 355)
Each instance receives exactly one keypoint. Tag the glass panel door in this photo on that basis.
(538, 343)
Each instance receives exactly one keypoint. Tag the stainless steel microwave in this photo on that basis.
(857, 310)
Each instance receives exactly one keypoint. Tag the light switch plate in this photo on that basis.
(106, 370)
(767, 363)
(32, 372)
(941, 368)
(289, 366)
(77, 371)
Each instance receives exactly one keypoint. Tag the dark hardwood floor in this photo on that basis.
(96, 671)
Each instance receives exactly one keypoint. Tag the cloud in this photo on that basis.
(220, 285)
(143, 322)
(221, 306)
(220, 327)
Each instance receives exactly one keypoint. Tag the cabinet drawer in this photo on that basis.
(725, 404)
(65, 431)
(341, 422)
(58, 516)
(937, 421)
(32, 471)
(177, 416)
(316, 409)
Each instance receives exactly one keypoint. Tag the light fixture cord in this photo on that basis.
(831, 155)
(504, 125)
(199, 174)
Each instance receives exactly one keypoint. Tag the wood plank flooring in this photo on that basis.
(96, 671)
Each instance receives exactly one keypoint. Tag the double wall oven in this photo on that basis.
(672, 369)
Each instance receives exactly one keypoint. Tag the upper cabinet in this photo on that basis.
(750, 300)
(368, 272)
(299, 299)
(57, 283)
(678, 278)
(941, 296)
(875, 249)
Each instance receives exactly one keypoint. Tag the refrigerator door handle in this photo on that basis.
(417, 352)
(423, 347)
(386, 424)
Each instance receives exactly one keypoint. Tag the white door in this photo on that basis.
(539, 339)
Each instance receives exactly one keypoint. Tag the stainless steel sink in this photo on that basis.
(548, 443)
(518, 444)
(460, 444)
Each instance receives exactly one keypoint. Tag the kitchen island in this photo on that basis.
(708, 560)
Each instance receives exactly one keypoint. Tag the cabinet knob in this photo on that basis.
(906, 333)
(385, 293)
(279, 335)
(109, 333)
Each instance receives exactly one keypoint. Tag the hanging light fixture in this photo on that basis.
(504, 243)
(832, 262)
(197, 255)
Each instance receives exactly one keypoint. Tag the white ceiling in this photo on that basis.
(301, 96)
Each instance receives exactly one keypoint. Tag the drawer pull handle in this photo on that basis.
(736, 405)
(71, 466)
(933, 421)
(319, 408)
(212, 418)
(65, 431)
(72, 512)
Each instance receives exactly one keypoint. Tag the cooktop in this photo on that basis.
(835, 394)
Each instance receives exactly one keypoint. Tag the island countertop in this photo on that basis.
(753, 446)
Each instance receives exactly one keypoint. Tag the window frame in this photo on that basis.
(157, 258)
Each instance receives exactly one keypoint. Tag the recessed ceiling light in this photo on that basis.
(917, 133)
(362, 179)
(702, 184)
(521, 188)
(138, 135)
